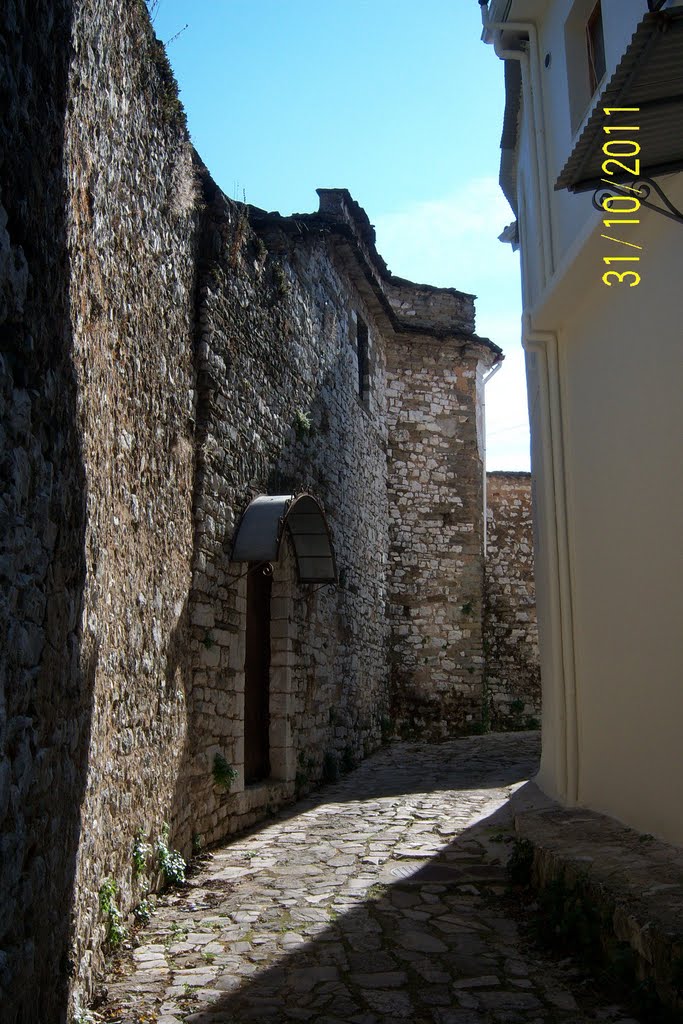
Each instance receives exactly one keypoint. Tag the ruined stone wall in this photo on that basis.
(436, 536)
(513, 682)
(279, 412)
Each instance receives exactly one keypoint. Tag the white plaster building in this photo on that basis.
(605, 374)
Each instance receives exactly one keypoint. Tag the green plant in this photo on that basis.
(280, 278)
(305, 771)
(521, 862)
(516, 707)
(171, 862)
(386, 726)
(208, 640)
(116, 930)
(330, 767)
(83, 1017)
(223, 773)
(467, 607)
(302, 424)
(197, 843)
(141, 853)
(143, 912)
(240, 235)
(208, 957)
(348, 760)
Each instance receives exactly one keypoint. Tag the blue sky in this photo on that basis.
(397, 101)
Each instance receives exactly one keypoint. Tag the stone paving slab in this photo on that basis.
(316, 925)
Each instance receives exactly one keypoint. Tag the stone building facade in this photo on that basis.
(436, 503)
(167, 357)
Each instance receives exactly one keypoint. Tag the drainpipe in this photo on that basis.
(485, 381)
(533, 102)
(544, 345)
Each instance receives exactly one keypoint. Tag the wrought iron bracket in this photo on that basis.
(266, 569)
(638, 188)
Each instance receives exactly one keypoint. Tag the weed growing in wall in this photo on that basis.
(521, 862)
(302, 424)
(330, 767)
(280, 279)
(141, 853)
(348, 760)
(116, 930)
(160, 66)
(171, 862)
(223, 773)
(304, 771)
(387, 728)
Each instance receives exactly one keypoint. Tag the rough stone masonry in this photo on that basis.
(166, 356)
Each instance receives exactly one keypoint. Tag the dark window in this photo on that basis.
(363, 361)
(595, 41)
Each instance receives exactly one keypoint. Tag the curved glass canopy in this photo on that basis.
(262, 526)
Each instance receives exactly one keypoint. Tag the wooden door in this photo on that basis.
(257, 678)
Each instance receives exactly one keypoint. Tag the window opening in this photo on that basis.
(595, 41)
(363, 361)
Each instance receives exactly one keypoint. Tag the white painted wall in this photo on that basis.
(621, 367)
(605, 375)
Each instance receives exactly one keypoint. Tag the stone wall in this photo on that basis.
(279, 411)
(510, 635)
(97, 283)
(132, 236)
(46, 676)
(167, 356)
(436, 533)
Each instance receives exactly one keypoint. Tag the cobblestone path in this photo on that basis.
(377, 899)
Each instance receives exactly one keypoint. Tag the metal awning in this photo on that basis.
(262, 526)
(650, 77)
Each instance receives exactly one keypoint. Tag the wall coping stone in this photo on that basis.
(634, 880)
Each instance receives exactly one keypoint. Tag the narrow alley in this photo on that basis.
(376, 899)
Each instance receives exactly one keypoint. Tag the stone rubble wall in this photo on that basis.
(420, 306)
(45, 670)
(279, 412)
(167, 356)
(436, 537)
(513, 681)
(97, 242)
(132, 237)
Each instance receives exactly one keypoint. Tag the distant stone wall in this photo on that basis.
(436, 533)
(513, 685)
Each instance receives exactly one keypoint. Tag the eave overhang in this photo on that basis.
(649, 77)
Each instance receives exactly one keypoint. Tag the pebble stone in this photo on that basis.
(374, 900)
